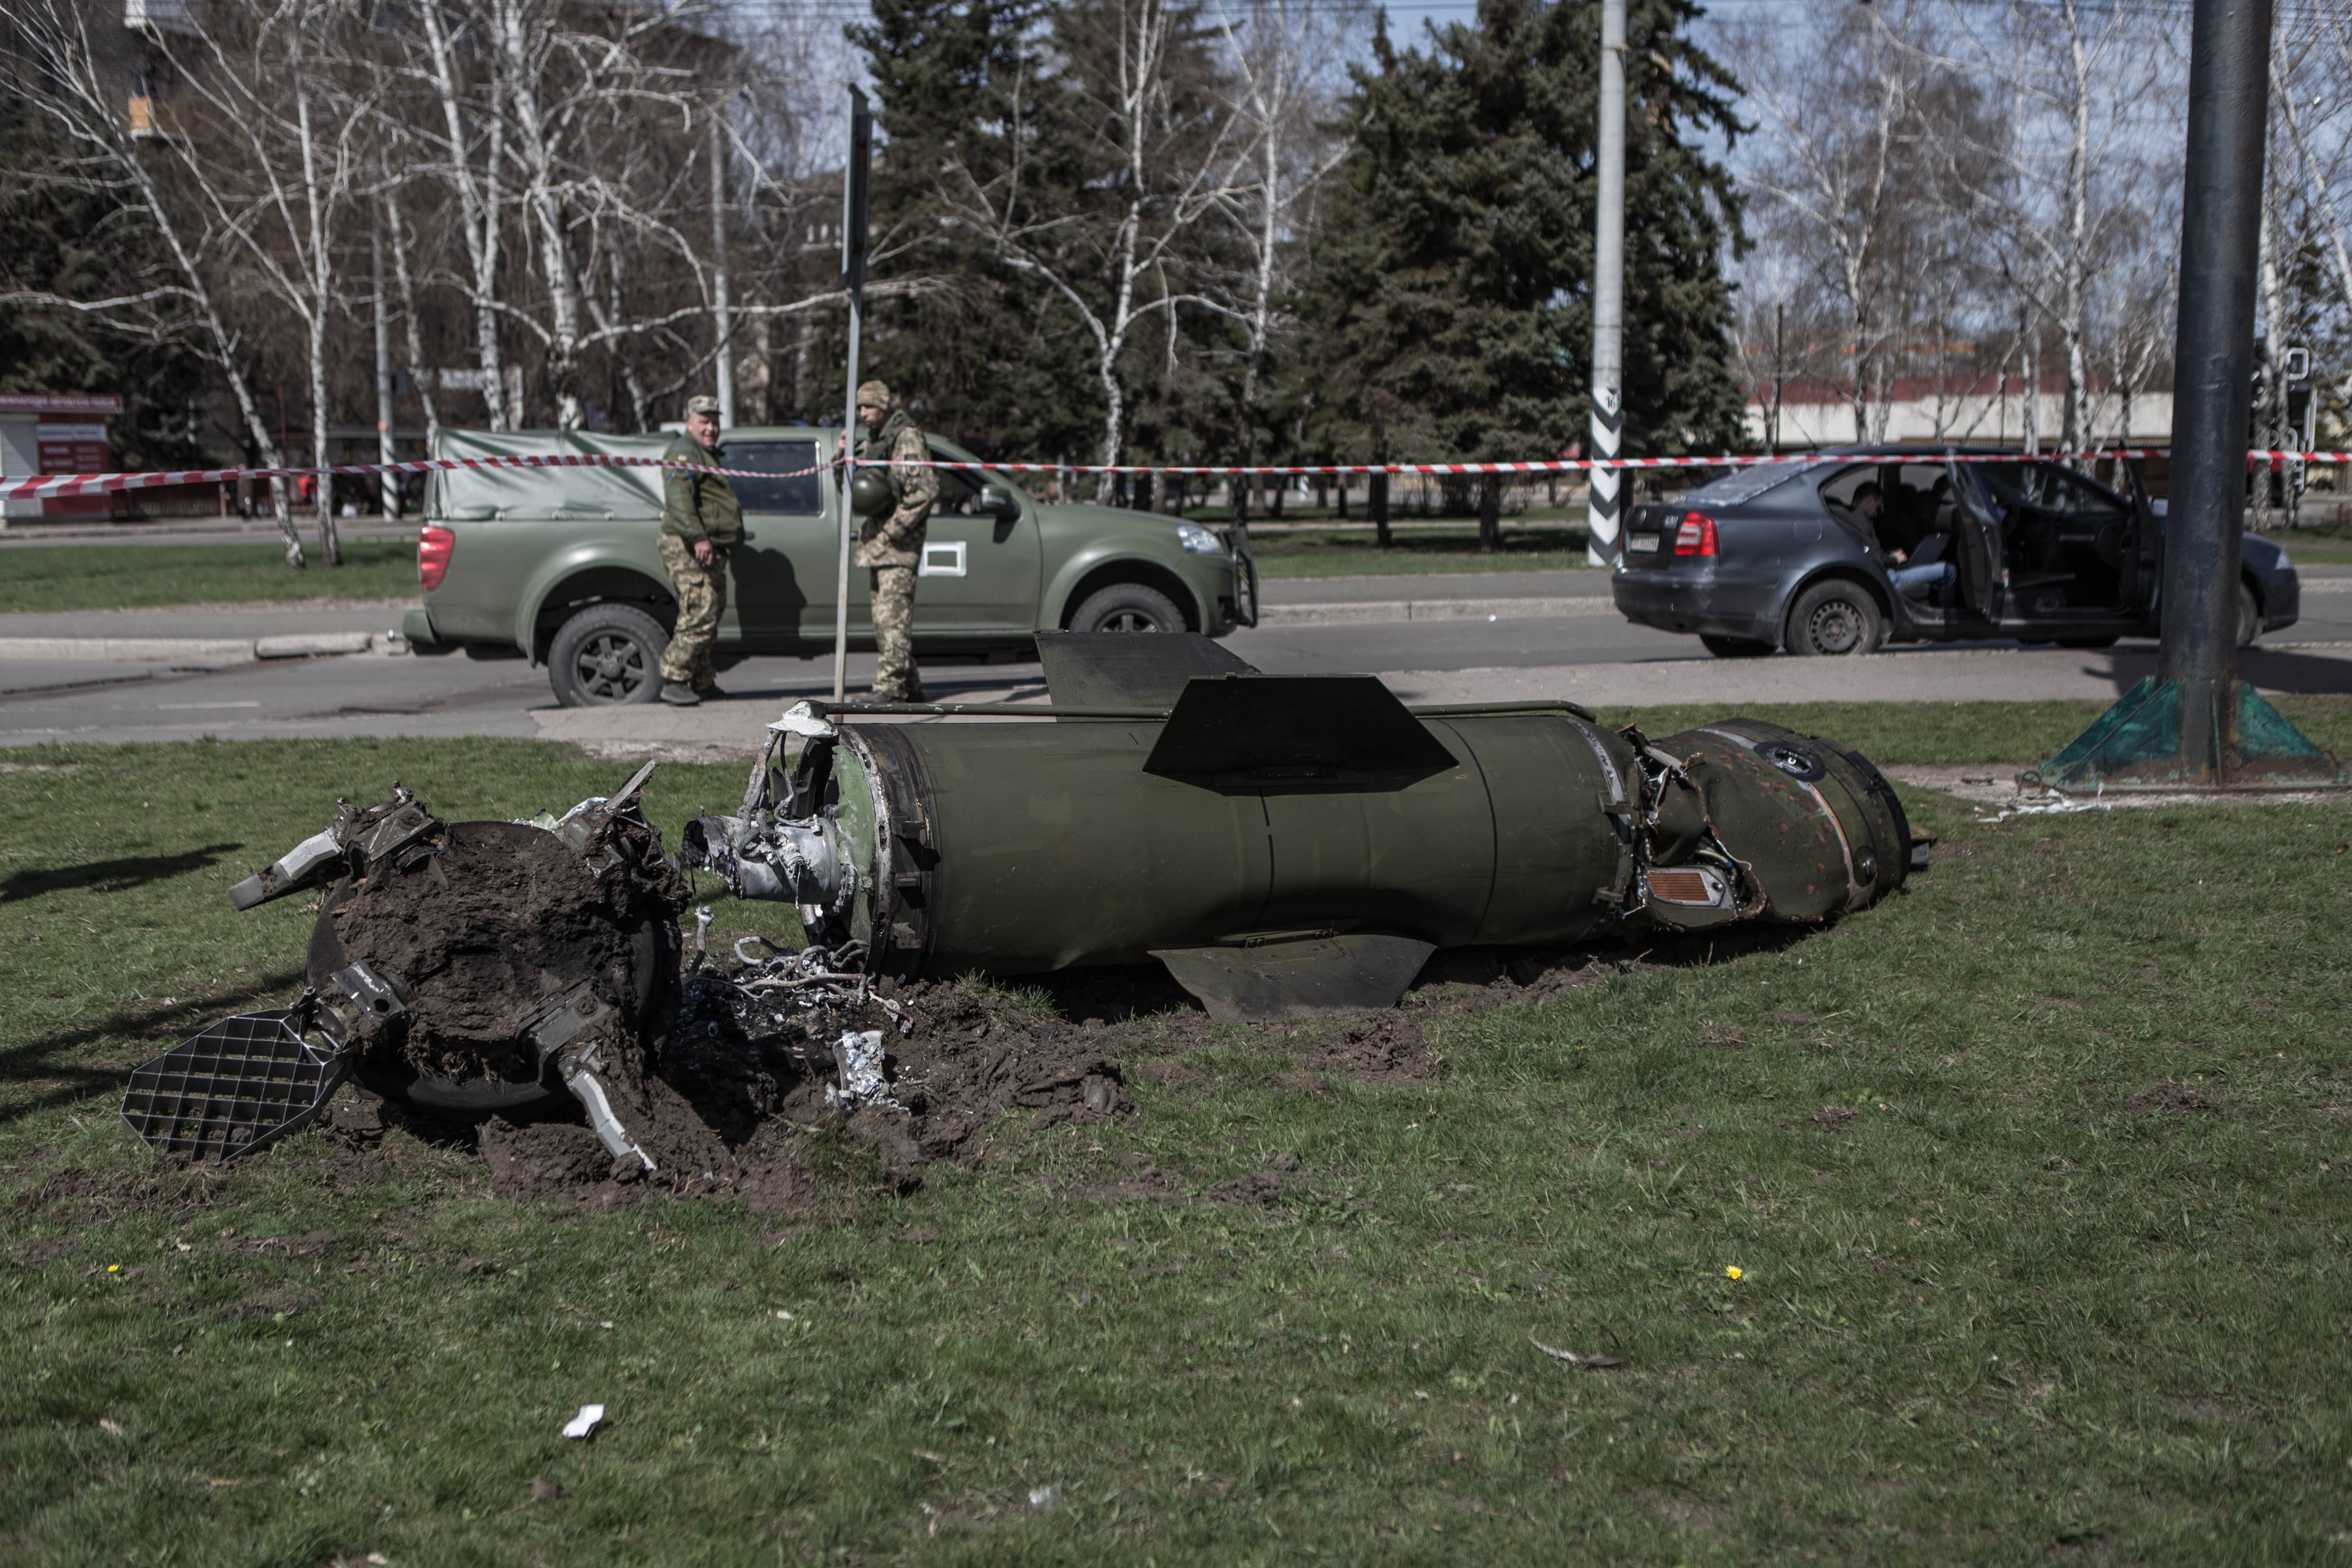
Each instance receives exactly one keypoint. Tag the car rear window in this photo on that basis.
(1743, 484)
(802, 496)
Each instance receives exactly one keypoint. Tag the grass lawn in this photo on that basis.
(2036, 1179)
(126, 577)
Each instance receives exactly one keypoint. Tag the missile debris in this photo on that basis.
(1282, 843)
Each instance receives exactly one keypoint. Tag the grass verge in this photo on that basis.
(2035, 1177)
(120, 576)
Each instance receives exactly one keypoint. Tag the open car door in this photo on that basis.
(1975, 540)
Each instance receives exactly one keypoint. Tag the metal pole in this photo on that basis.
(2229, 103)
(721, 317)
(1601, 511)
(854, 170)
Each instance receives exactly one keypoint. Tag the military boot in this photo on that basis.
(678, 694)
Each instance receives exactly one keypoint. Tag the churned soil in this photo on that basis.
(486, 927)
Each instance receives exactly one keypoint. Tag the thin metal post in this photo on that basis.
(1602, 508)
(2221, 228)
(723, 321)
(856, 170)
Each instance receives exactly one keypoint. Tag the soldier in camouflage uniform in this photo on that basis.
(701, 522)
(892, 546)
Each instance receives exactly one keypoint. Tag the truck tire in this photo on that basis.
(1127, 607)
(1835, 617)
(606, 656)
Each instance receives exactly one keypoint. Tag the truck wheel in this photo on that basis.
(1835, 617)
(1733, 648)
(606, 654)
(1127, 607)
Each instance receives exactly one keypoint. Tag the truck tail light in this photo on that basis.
(434, 545)
(1696, 536)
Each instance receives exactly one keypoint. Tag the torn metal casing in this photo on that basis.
(579, 1069)
(316, 859)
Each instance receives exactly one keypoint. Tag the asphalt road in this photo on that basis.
(1592, 657)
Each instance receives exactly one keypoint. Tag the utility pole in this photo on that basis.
(1601, 511)
(857, 175)
(2194, 724)
(722, 323)
(1779, 375)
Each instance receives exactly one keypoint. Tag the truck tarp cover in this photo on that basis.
(479, 494)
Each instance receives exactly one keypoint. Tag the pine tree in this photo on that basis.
(983, 361)
(1449, 308)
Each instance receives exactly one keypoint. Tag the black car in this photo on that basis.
(1798, 557)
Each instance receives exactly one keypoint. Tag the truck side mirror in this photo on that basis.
(1000, 503)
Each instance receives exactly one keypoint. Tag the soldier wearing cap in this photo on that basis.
(890, 544)
(701, 522)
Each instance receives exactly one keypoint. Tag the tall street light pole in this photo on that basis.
(1602, 507)
(2194, 724)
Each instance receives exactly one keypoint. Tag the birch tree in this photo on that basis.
(190, 246)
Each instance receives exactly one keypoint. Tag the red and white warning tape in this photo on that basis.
(95, 484)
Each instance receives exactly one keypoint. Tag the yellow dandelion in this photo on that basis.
(1733, 1271)
(114, 1269)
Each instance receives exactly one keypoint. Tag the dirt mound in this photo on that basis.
(743, 1102)
(484, 930)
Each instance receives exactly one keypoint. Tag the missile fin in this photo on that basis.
(1294, 979)
(1121, 669)
(1253, 732)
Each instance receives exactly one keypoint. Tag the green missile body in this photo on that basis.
(1284, 843)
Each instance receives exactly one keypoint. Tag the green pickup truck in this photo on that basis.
(557, 564)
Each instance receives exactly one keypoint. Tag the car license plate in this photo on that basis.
(1642, 542)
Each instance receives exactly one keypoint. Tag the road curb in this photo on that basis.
(198, 650)
(1391, 611)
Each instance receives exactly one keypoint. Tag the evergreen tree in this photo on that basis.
(984, 360)
(1449, 308)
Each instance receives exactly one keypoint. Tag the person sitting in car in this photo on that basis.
(1918, 571)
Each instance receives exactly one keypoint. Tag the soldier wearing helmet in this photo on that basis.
(701, 522)
(890, 539)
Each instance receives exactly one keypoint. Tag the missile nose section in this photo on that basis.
(1282, 843)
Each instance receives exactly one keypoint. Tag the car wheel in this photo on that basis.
(606, 656)
(1835, 617)
(1733, 648)
(2250, 617)
(1127, 607)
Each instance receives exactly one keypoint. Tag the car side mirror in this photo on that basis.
(1000, 503)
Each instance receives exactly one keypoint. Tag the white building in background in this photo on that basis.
(1986, 410)
(55, 433)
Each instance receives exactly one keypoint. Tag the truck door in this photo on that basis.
(785, 565)
(983, 562)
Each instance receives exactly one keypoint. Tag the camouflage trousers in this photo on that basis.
(701, 600)
(895, 675)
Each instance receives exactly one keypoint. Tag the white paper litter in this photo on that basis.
(580, 1426)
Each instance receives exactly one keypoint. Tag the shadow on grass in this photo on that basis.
(111, 876)
(165, 1023)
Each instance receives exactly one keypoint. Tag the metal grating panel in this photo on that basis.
(232, 1088)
